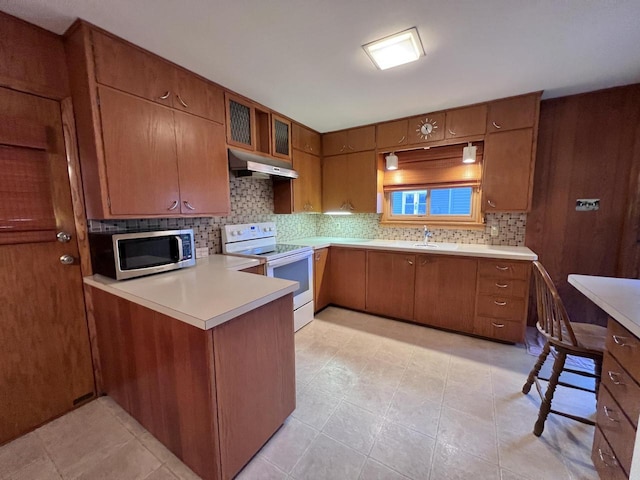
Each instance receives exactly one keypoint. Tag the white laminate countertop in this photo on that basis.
(462, 249)
(206, 295)
(619, 297)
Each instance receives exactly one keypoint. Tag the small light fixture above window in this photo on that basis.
(397, 49)
(469, 154)
(392, 161)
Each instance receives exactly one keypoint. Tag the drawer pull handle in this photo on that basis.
(165, 96)
(497, 325)
(607, 412)
(500, 304)
(495, 125)
(184, 104)
(317, 257)
(491, 204)
(188, 205)
(621, 341)
(502, 285)
(402, 139)
(614, 377)
(173, 206)
(410, 262)
(503, 269)
(602, 454)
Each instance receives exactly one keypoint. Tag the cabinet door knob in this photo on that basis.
(502, 285)
(451, 132)
(410, 262)
(500, 304)
(317, 257)
(188, 205)
(607, 412)
(173, 206)
(491, 204)
(184, 104)
(614, 461)
(351, 148)
(495, 125)
(67, 260)
(615, 378)
(402, 139)
(497, 325)
(503, 269)
(165, 96)
(63, 237)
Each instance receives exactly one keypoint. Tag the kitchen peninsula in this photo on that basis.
(203, 358)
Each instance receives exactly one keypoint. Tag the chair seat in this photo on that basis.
(589, 336)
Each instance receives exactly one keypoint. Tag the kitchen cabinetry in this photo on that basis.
(347, 278)
(502, 301)
(426, 128)
(184, 155)
(306, 140)
(445, 292)
(390, 284)
(350, 183)
(466, 122)
(509, 154)
(302, 194)
(346, 141)
(618, 404)
(280, 137)
(130, 69)
(147, 145)
(206, 395)
(258, 270)
(321, 278)
(391, 135)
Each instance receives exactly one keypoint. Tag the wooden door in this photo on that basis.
(464, 122)
(305, 139)
(193, 95)
(45, 361)
(391, 135)
(360, 139)
(130, 69)
(140, 155)
(446, 292)
(202, 166)
(335, 183)
(347, 278)
(321, 274)
(508, 171)
(307, 195)
(390, 284)
(334, 143)
(280, 137)
(513, 113)
(241, 122)
(362, 179)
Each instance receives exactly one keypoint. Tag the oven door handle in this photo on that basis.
(289, 259)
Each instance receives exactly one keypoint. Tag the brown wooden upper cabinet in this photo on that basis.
(302, 194)
(513, 113)
(392, 135)
(280, 137)
(426, 128)
(466, 121)
(349, 141)
(350, 183)
(306, 140)
(241, 122)
(126, 67)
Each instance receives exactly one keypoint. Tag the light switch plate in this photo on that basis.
(202, 252)
(495, 230)
(587, 204)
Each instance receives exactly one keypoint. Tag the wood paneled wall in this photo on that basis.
(32, 60)
(588, 147)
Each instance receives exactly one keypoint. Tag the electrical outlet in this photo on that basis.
(587, 204)
(202, 252)
(495, 230)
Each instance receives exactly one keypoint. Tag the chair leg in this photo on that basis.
(598, 371)
(536, 368)
(545, 407)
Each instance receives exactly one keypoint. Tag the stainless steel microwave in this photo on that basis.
(135, 254)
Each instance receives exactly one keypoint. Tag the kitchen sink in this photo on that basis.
(437, 246)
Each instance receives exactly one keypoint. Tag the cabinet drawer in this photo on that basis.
(604, 460)
(625, 347)
(508, 331)
(622, 387)
(495, 306)
(508, 287)
(504, 269)
(618, 431)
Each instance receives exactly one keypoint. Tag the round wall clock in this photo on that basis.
(427, 128)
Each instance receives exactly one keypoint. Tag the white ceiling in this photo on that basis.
(303, 57)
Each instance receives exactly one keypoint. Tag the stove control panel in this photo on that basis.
(248, 231)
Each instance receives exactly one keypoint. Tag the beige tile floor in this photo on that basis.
(377, 399)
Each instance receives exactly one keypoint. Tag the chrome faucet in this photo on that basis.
(427, 235)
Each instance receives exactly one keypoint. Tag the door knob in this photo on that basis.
(67, 260)
(63, 237)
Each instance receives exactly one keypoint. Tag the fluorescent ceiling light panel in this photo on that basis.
(396, 49)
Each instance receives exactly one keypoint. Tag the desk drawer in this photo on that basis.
(618, 431)
(504, 269)
(622, 387)
(625, 347)
(506, 330)
(604, 459)
(503, 286)
(500, 307)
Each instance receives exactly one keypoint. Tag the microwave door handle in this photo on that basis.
(180, 251)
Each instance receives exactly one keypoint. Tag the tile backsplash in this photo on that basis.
(252, 201)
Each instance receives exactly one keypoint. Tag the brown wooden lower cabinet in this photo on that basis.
(347, 279)
(321, 286)
(390, 284)
(258, 269)
(212, 397)
(445, 291)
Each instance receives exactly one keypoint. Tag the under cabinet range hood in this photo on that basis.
(245, 164)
